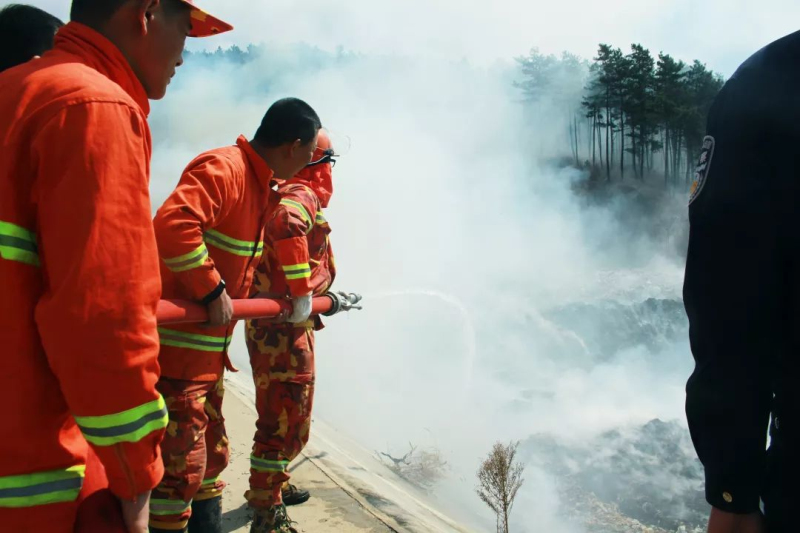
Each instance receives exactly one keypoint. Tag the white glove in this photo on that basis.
(301, 309)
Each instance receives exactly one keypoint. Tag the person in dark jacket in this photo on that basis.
(742, 295)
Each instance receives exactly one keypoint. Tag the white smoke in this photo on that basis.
(449, 219)
(485, 31)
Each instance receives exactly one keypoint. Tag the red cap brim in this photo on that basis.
(205, 25)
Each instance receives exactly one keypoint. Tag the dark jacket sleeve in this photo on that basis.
(735, 292)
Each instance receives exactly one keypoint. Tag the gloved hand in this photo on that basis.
(301, 309)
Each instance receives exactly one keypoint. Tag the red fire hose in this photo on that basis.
(182, 311)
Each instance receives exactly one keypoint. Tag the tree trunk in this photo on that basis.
(643, 148)
(644, 156)
(608, 133)
(622, 146)
(571, 140)
(600, 145)
(676, 158)
(594, 134)
(577, 140)
(671, 156)
(665, 142)
(613, 152)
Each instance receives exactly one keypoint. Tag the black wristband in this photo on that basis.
(336, 306)
(213, 295)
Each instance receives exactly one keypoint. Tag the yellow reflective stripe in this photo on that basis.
(204, 343)
(208, 489)
(169, 526)
(161, 507)
(234, 246)
(210, 482)
(321, 220)
(128, 426)
(299, 271)
(265, 465)
(18, 244)
(302, 210)
(29, 490)
(193, 259)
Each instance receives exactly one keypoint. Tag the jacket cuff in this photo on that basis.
(292, 255)
(740, 496)
(200, 283)
(145, 478)
(133, 468)
(299, 287)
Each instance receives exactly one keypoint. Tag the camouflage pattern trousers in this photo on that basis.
(282, 358)
(194, 450)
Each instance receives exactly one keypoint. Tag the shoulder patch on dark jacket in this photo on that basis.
(703, 168)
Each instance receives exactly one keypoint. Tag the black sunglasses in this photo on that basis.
(328, 157)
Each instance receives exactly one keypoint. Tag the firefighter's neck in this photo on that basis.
(276, 158)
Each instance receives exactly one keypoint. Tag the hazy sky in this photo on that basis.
(721, 33)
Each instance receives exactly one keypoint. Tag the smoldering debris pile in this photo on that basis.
(638, 479)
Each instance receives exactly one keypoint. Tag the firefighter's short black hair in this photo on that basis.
(95, 12)
(286, 121)
(25, 31)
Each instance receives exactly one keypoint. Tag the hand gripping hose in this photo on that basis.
(182, 311)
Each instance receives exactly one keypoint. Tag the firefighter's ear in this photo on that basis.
(294, 148)
(146, 10)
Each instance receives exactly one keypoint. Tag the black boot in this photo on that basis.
(206, 516)
(293, 496)
(272, 520)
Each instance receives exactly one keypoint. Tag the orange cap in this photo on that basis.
(323, 142)
(204, 24)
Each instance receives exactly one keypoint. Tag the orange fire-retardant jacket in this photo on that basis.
(79, 282)
(298, 259)
(211, 228)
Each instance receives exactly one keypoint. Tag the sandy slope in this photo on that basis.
(351, 491)
(330, 508)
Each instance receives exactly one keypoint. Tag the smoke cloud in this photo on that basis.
(485, 275)
(485, 31)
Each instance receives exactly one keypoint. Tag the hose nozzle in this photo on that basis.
(343, 301)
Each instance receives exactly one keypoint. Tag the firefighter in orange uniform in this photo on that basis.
(210, 235)
(298, 264)
(79, 266)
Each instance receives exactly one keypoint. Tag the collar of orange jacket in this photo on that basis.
(263, 172)
(318, 178)
(102, 55)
